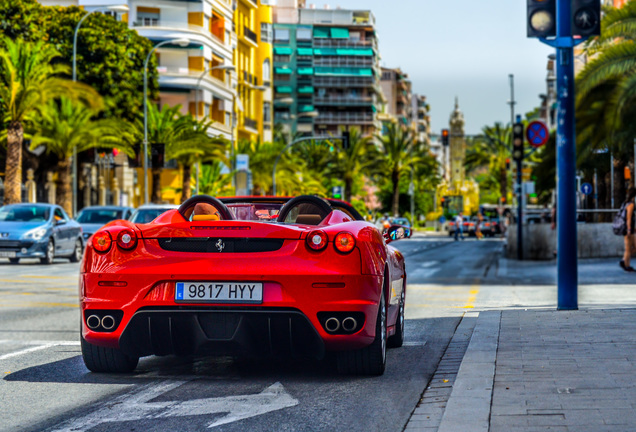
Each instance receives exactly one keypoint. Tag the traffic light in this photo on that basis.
(517, 141)
(507, 164)
(345, 140)
(157, 155)
(541, 18)
(586, 17)
(445, 137)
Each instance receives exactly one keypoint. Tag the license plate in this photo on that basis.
(219, 292)
(7, 254)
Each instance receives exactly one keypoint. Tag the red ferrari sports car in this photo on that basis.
(243, 276)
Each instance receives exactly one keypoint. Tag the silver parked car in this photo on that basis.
(39, 231)
(149, 212)
(93, 218)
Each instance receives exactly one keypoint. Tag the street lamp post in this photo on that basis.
(118, 8)
(181, 42)
(227, 67)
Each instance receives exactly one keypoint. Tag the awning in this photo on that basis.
(339, 33)
(343, 51)
(305, 71)
(305, 108)
(282, 71)
(305, 51)
(321, 32)
(305, 90)
(282, 51)
(283, 89)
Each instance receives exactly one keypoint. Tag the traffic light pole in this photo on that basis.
(567, 271)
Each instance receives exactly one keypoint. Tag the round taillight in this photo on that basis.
(127, 239)
(345, 242)
(317, 240)
(102, 241)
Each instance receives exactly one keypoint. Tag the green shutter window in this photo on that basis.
(321, 32)
(305, 108)
(282, 71)
(305, 90)
(282, 51)
(305, 71)
(374, 109)
(305, 51)
(283, 89)
(339, 33)
(355, 52)
(365, 72)
(344, 71)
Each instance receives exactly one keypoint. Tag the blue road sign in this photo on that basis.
(586, 188)
(442, 219)
(537, 133)
(337, 192)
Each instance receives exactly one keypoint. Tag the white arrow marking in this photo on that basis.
(135, 406)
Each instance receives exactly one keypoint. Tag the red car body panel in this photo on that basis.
(294, 277)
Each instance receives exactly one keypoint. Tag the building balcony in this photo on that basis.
(324, 81)
(250, 123)
(345, 61)
(344, 100)
(160, 29)
(345, 43)
(250, 3)
(183, 77)
(345, 118)
(249, 34)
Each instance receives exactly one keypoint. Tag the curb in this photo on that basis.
(468, 407)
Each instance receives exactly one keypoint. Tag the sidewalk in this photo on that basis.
(542, 370)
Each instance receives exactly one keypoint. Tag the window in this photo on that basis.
(282, 58)
(303, 33)
(267, 112)
(266, 70)
(281, 34)
(267, 33)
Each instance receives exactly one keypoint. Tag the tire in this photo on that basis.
(49, 253)
(76, 256)
(397, 340)
(369, 360)
(14, 260)
(109, 360)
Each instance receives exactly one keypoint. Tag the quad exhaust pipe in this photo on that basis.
(349, 324)
(332, 325)
(108, 322)
(93, 322)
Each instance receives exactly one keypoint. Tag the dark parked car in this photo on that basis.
(94, 217)
(39, 231)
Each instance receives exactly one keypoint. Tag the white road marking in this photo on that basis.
(136, 406)
(414, 343)
(37, 348)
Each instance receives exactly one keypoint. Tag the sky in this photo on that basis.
(460, 48)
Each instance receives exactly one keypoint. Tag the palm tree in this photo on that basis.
(262, 156)
(65, 126)
(194, 147)
(397, 155)
(29, 78)
(492, 150)
(353, 162)
(213, 182)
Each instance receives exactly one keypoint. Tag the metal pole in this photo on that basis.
(74, 163)
(412, 189)
(519, 207)
(512, 102)
(612, 177)
(567, 277)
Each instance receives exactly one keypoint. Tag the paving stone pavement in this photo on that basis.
(542, 370)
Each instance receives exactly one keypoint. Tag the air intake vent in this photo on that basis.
(220, 245)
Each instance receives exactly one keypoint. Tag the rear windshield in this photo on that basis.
(265, 212)
(34, 213)
(100, 216)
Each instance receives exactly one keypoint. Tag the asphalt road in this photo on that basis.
(45, 385)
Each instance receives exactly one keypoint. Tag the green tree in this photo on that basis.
(29, 79)
(398, 153)
(213, 182)
(65, 126)
(352, 163)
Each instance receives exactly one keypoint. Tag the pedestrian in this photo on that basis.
(480, 221)
(630, 223)
(459, 226)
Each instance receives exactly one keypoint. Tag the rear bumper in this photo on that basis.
(218, 331)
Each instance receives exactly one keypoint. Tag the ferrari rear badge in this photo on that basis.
(220, 245)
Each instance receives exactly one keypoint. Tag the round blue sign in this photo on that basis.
(442, 219)
(586, 188)
(537, 133)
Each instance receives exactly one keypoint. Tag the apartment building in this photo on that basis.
(421, 119)
(397, 89)
(326, 73)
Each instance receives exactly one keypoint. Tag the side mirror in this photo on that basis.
(395, 232)
(60, 222)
